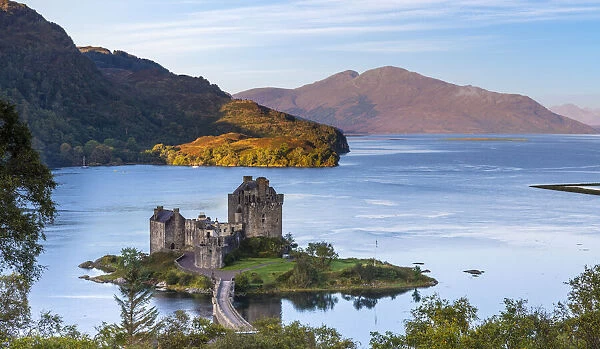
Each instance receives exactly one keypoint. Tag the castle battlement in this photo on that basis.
(254, 210)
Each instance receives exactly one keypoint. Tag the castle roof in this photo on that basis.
(162, 216)
(250, 184)
(246, 186)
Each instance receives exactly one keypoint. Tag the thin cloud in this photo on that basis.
(343, 24)
(404, 46)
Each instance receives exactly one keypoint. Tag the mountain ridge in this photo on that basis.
(395, 100)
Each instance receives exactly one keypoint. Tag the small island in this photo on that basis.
(249, 255)
(316, 268)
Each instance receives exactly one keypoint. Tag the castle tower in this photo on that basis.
(257, 206)
(166, 230)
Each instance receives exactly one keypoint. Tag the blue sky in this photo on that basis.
(549, 50)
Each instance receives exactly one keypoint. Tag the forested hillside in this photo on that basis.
(109, 106)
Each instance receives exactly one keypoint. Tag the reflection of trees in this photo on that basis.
(416, 296)
(312, 301)
(369, 299)
(327, 301)
(360, 302)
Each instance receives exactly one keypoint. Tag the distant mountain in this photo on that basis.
(395, 100)
(110, 106)
(588, 116)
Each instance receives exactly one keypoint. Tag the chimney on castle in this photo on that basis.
(247, 179)
(156, 211)
(263, 184)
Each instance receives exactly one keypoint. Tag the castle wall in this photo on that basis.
(211, 253)
(178, 226)
(157, 236)
(264, 219)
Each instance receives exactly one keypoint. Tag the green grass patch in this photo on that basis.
(251, 263)
(341, 275)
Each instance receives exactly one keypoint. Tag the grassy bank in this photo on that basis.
(351, 274)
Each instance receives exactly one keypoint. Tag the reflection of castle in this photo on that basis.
(254, 209)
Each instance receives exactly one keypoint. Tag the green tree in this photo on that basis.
(25, 197)
(389, 340)
(181, 331)
(434, 324)
(138, 321)
(14, 307)
(323, 251)
(49, 331)
(518, 327)
(273, 335)
(242, 283)
(305, 273)
(584, 307)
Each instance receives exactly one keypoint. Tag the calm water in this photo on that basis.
(453, 205)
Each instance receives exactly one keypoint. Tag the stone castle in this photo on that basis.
(254, 210)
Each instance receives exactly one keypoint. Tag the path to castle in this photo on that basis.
(223, 310)
(187, 262)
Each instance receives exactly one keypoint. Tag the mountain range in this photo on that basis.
(588, 116)
(111, 106)
(395, 100)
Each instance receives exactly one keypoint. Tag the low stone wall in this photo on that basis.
(178, 266)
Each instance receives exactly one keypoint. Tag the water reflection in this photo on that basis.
(309, 301)
(253, 308)
(368, 299)
(258, 307)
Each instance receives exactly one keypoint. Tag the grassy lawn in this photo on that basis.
(252, 263)
(341, 264)
(270, 272)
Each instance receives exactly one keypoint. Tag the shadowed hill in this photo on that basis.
(109, 106)
(395, 100)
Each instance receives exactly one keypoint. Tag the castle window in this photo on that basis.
(172, 246)
(263, 218)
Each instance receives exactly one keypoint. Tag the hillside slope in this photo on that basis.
(110, 106)
(395, 100)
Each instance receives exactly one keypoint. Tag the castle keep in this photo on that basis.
(254, 210)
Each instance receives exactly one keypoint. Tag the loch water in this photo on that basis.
(450, 202)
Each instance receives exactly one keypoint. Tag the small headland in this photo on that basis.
(581, 188)
(159, 269)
